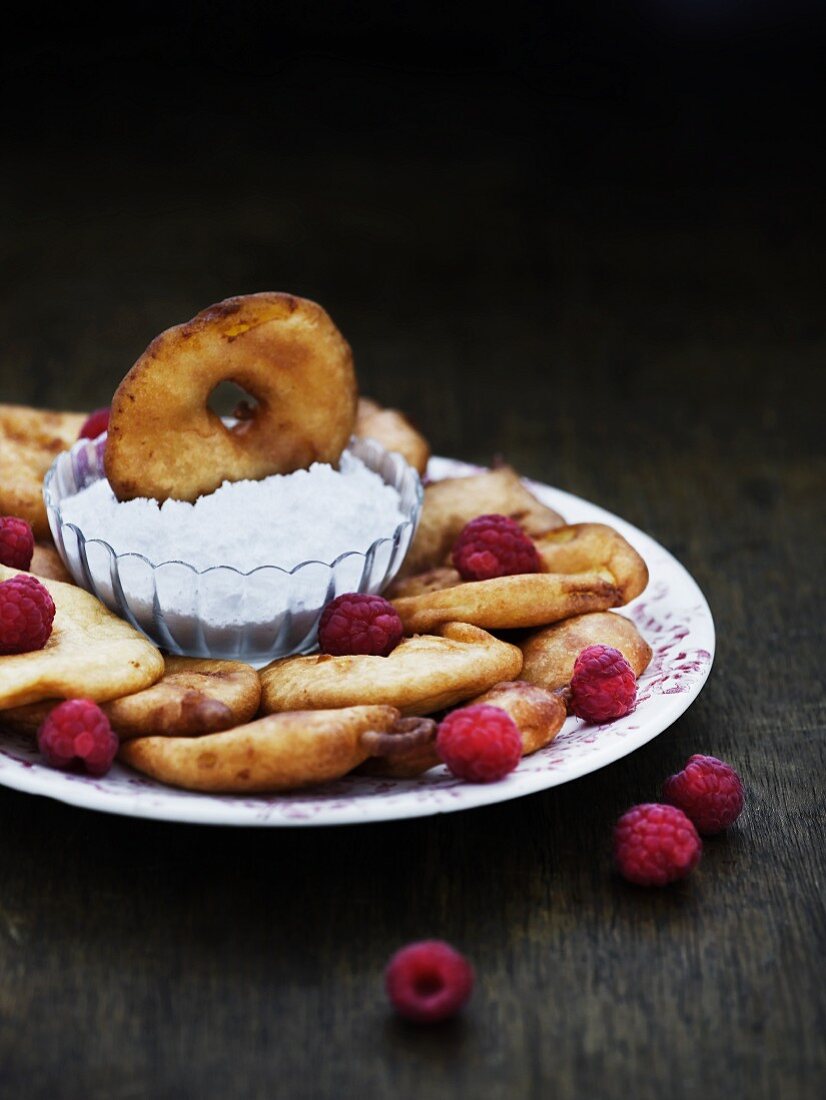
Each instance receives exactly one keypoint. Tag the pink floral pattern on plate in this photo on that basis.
(672, 614)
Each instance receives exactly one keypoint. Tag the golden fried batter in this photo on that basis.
(595, 568)
(453, 502)
(508, 603)
(419, 584)
(91, 653)
(194, 697)
(281, 752)
(30, 440)
(401, 754)
(394, 431)
(165, 442)
(421, 675)
(538, 714)
(46, 562)
(583, 546)
(550, 653)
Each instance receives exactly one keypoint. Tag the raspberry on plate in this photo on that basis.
(603, 684)
(655, 844)
(708, 791)
(95, 423)
(428, 981)
(16, 542)
(359, 623)
(77, 733)
(26, 614)
(480, 743)
(494, 546)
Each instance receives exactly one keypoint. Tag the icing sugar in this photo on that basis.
(315, 514)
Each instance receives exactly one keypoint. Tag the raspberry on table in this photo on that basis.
(358, 623)
(655, 844)
(95, 424)
(494, 546)
(428, 981)
(480, 743)
(603, 684)
(16, 542)
(26, 614)
(708, 791)
(77, 734)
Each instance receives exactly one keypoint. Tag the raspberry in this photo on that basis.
(494, 546)
(77, 732)
(428, 981)
(95, 423)
(655, 844)
(26, 614)
(708, 791)
(603, 684)
(16, 542)
(480, 743)
(359, 623)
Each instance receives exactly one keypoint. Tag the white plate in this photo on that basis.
(672, 614)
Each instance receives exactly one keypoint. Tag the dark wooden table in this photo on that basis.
(621, 306)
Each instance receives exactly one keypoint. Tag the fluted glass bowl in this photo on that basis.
(222, 612)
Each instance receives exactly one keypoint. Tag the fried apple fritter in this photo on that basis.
(582, 546)
(421, 675)
(510, 603)
(30, 440)
(539, 715)
(550, 653)
(393, 431)
(165, 442)
(594, 568)
(401, 754)
(46, 562)
(194, 697)
(91, 654)
(419, 584)
(281, 752)
(453, 502)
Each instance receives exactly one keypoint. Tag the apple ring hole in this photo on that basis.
(228, 399)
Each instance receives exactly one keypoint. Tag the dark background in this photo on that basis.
(587, 237)
(632, 186)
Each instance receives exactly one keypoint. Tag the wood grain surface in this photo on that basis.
(651, 339)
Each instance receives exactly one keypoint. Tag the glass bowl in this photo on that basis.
(222, 612)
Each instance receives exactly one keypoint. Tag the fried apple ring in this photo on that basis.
(30, 440)
(510, 603)
(539, 714)
(421, 675)
(419, 584)
(550, 654)
(194, 697)
(164, 441)
(281, 752)
(393, 431)
(407, 751)
(46, 562)
(91, 653)
(451, 503)
(608, 572)
(582, 546)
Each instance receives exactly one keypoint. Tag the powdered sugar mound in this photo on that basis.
(310, 515)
